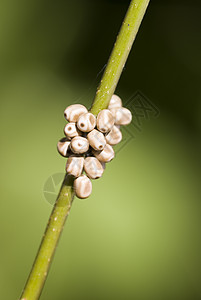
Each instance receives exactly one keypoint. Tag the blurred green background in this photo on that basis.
(138, 235)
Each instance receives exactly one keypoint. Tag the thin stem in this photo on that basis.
(117, 60)
(119, 54)
(49, 242)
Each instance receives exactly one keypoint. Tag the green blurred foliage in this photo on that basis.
(138, 235)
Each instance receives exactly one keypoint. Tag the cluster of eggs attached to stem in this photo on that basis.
(89, 140)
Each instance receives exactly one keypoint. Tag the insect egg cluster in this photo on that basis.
(89, 140)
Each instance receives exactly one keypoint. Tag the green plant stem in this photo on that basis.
(119, 54)
(117, 60)
(49, 242)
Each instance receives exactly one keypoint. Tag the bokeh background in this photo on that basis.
(138, 235)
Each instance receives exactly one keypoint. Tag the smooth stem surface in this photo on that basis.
(119, 54)
(49, 242)
(63, 204)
